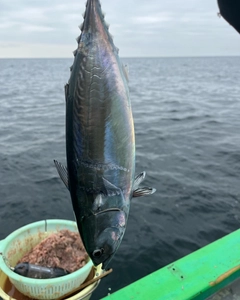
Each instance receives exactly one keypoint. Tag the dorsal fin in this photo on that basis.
(63, 173)
(75, 52)
(78, 39)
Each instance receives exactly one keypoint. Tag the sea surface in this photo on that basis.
(187, 124)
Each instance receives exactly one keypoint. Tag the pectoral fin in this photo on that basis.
(143, 191)
(139, 192)
(109, 198)
(110, 189)
(138, 179)
(63, 173)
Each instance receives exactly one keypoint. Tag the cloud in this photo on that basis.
(140, 28)
(152, 19)
(36, 29)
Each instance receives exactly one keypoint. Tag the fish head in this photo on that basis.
(103, 235)
(22, 269)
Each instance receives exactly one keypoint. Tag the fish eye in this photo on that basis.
(97, 253)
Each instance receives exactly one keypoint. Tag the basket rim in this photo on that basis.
(33, 281)
(82, 294)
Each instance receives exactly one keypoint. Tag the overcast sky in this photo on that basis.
(48, 28)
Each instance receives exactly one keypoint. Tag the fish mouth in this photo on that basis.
(106, 210)
(109, 258)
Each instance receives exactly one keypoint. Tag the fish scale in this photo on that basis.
(100, 140)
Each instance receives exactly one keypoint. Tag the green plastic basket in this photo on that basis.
(19, 242)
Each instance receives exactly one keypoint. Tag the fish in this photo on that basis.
(38, 272)
(100, 140)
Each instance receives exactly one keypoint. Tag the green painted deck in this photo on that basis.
(212, 271)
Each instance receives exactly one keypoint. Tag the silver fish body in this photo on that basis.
(100, 141)
(99, 138)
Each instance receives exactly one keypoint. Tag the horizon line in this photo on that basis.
(181, 56)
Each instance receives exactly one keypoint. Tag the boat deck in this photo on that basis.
(210, 273)
(230, 292)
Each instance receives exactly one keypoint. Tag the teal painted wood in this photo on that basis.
(195, 276)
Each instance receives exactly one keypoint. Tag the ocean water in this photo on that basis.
(187, 123)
